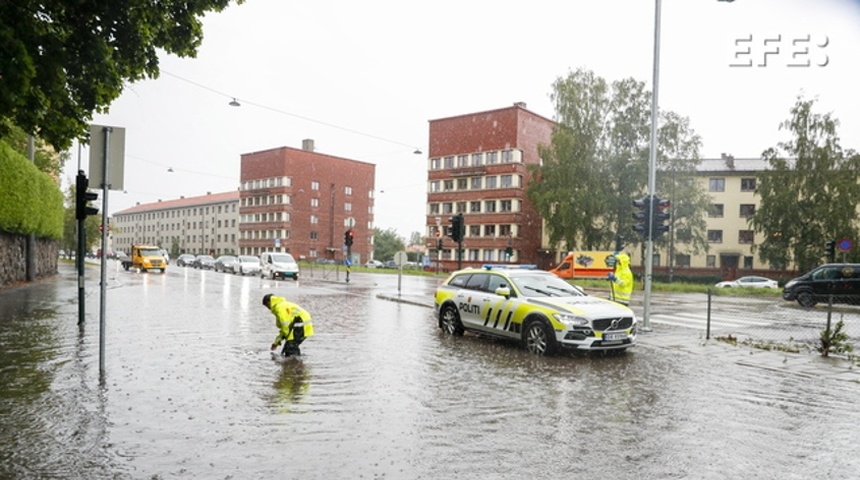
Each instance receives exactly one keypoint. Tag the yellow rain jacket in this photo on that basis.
(623, 287)
(285, 313)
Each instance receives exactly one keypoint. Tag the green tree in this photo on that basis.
(45, 157)
(386, 243)
(808, 194)
(597, 163)
(73, 58)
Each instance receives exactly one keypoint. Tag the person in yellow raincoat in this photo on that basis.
(293, 322)
(622, 279)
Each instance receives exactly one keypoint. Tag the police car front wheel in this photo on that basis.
(538, 338)
(449, 320)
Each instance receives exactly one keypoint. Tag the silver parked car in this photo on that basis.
(225, 263)
(248, 265)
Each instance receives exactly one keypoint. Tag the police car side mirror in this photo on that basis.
(504, 292)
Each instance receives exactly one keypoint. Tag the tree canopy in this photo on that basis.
(597, 163)
(386, 243)
(63, 61)
(809, 192)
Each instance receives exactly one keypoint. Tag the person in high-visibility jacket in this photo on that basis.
(622, 279)
(293, 322)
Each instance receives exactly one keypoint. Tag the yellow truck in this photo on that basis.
(146, 258)
(588, 264)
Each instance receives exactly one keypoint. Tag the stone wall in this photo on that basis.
(13, 258)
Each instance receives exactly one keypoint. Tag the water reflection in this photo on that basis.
(292, 384)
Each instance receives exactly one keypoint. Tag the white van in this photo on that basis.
(277, 264)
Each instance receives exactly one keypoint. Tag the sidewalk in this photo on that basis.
(693, 342)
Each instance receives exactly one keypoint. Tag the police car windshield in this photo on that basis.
(544, 286)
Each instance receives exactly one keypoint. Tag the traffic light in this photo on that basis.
(509, 251)
(457, 228)
(830, 250)
(348, 237)
(82, 197)
(641, 216)
(659, 207)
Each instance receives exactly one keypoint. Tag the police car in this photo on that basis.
(544, 312)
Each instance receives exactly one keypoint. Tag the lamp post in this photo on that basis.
(652, 162)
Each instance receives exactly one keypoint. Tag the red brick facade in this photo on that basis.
(477, 166)
(304, 202)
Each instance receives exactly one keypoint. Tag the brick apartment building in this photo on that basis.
(302, 202)
(477, 167)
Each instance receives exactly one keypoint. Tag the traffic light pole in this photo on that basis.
(652, 174)
(103, 262)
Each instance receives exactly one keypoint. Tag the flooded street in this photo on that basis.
(192, 391)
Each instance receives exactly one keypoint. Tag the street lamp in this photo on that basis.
(235, 103)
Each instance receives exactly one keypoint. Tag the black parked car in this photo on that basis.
(839, 280)
(185, 260)
(204, 262)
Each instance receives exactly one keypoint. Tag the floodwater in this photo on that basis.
(191, 391)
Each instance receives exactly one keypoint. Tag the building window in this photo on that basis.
(315, 185)
(448, 185)
(490, 206)
(315, 202)
(447, 207)
(717, 185)
(489, 230)
(435, 163)
(347, 207)
(315, 219)
(711, 261)
(314, 236)
(507, 156)
(506, 205)
(491, 182)
(745, 236)
(462, 161)
(347, 190)
(474, 230)
(462, 184)
(716, 210)
(748, 184)
(461, 207)
(476, 183)
(682, 260)
(492, 158)
(434, 208)
(507, 181)
(747, 210)
(505, 230)
(715, 236)
(655, 260)
(477, 159)
(748, 261)
(434, 186)
(475, 207)
(449, 162)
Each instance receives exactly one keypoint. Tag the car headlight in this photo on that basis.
(790, 284)
(570, 319)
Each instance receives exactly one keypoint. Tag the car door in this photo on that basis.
(498, 314)
(470, 299)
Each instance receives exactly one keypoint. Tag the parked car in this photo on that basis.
(373, 264)
(225, 263)
(540, 310)
(839, 281)
(185, 260)
(248, 265)
(204, 262)
(391, 264)
(279, 265)
(749, 281)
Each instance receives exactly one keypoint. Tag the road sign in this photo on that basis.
(400, 258)
(845, 244)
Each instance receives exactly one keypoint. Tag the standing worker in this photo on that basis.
(622, 279)
(293, 322)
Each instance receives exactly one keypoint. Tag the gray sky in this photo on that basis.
(364, 78)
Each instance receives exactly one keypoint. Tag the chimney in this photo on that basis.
(730, 160)
(308, 144)
(520, 104)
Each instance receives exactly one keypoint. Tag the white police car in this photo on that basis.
(539, 309)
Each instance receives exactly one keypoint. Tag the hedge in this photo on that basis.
(30, 200)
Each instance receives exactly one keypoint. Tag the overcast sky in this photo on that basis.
(364, 78)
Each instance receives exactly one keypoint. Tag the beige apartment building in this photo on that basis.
(206, 224)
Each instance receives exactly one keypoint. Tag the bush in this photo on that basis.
(30, 200)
